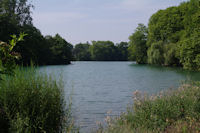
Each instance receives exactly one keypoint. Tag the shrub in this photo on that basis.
(8, 56)
(32, 102)
(172, 111)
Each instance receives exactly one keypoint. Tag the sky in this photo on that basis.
(87, 20)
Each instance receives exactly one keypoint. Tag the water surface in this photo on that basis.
(99, 87)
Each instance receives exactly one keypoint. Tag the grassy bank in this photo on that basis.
(33, 102)
(171, 111)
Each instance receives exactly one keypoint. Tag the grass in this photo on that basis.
(171, 111)
(33, 102)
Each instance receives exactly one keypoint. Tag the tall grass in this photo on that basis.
(172, 111)
(34, 103)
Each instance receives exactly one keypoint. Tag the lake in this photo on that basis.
(99, 87)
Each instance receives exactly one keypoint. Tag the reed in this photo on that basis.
(170, 111)
(33, 102)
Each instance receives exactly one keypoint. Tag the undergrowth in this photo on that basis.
(32, 102)
(172, 111)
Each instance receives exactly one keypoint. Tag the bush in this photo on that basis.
(32, 102)
(172, 111)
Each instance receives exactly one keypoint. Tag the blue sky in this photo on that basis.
(86, 20)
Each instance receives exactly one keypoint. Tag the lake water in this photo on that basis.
(99, 87)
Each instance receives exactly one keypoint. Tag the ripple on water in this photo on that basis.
(99, 87)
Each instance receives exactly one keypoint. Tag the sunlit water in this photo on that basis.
(99, 87)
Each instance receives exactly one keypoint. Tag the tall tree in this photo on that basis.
(13, 15)
(34, 47)
(138, 48)
(61, 50)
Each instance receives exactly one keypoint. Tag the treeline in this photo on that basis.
(101, 51)
(172, 37)
(15, 18)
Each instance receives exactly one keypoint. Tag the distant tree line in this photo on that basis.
(15, 18)
(172, 37)
(101, 51)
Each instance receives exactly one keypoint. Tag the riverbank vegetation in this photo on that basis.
(15, 18)
(30, 101)
(33, 102)
(170, 111)
(171, 38)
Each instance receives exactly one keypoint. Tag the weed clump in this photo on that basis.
(33, 102)
(171, 111)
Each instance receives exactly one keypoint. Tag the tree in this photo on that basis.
(190, 52)
(169, 33)
(170, 54)
(81, 52)
(155, 53)
(103, 51)
(19, 10)
(167, 25)
(13, 15)
(61, 50)
(34, 47)
(122, 51)
(137, 45)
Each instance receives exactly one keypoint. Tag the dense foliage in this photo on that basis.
(81, 52)
(172, 38)
(8, 56)
(60, 50)
(138, 48)
(101, 51)
(15, 17)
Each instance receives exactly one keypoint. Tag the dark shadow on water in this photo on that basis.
(190, 75)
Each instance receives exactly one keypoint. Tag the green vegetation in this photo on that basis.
(61, 50)
(33, 102)
(30, 101)
(8, 56)
(172, 38)
(138, 46)
(81, 52)
(101, 51)
(15, 17)
(172, 111)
